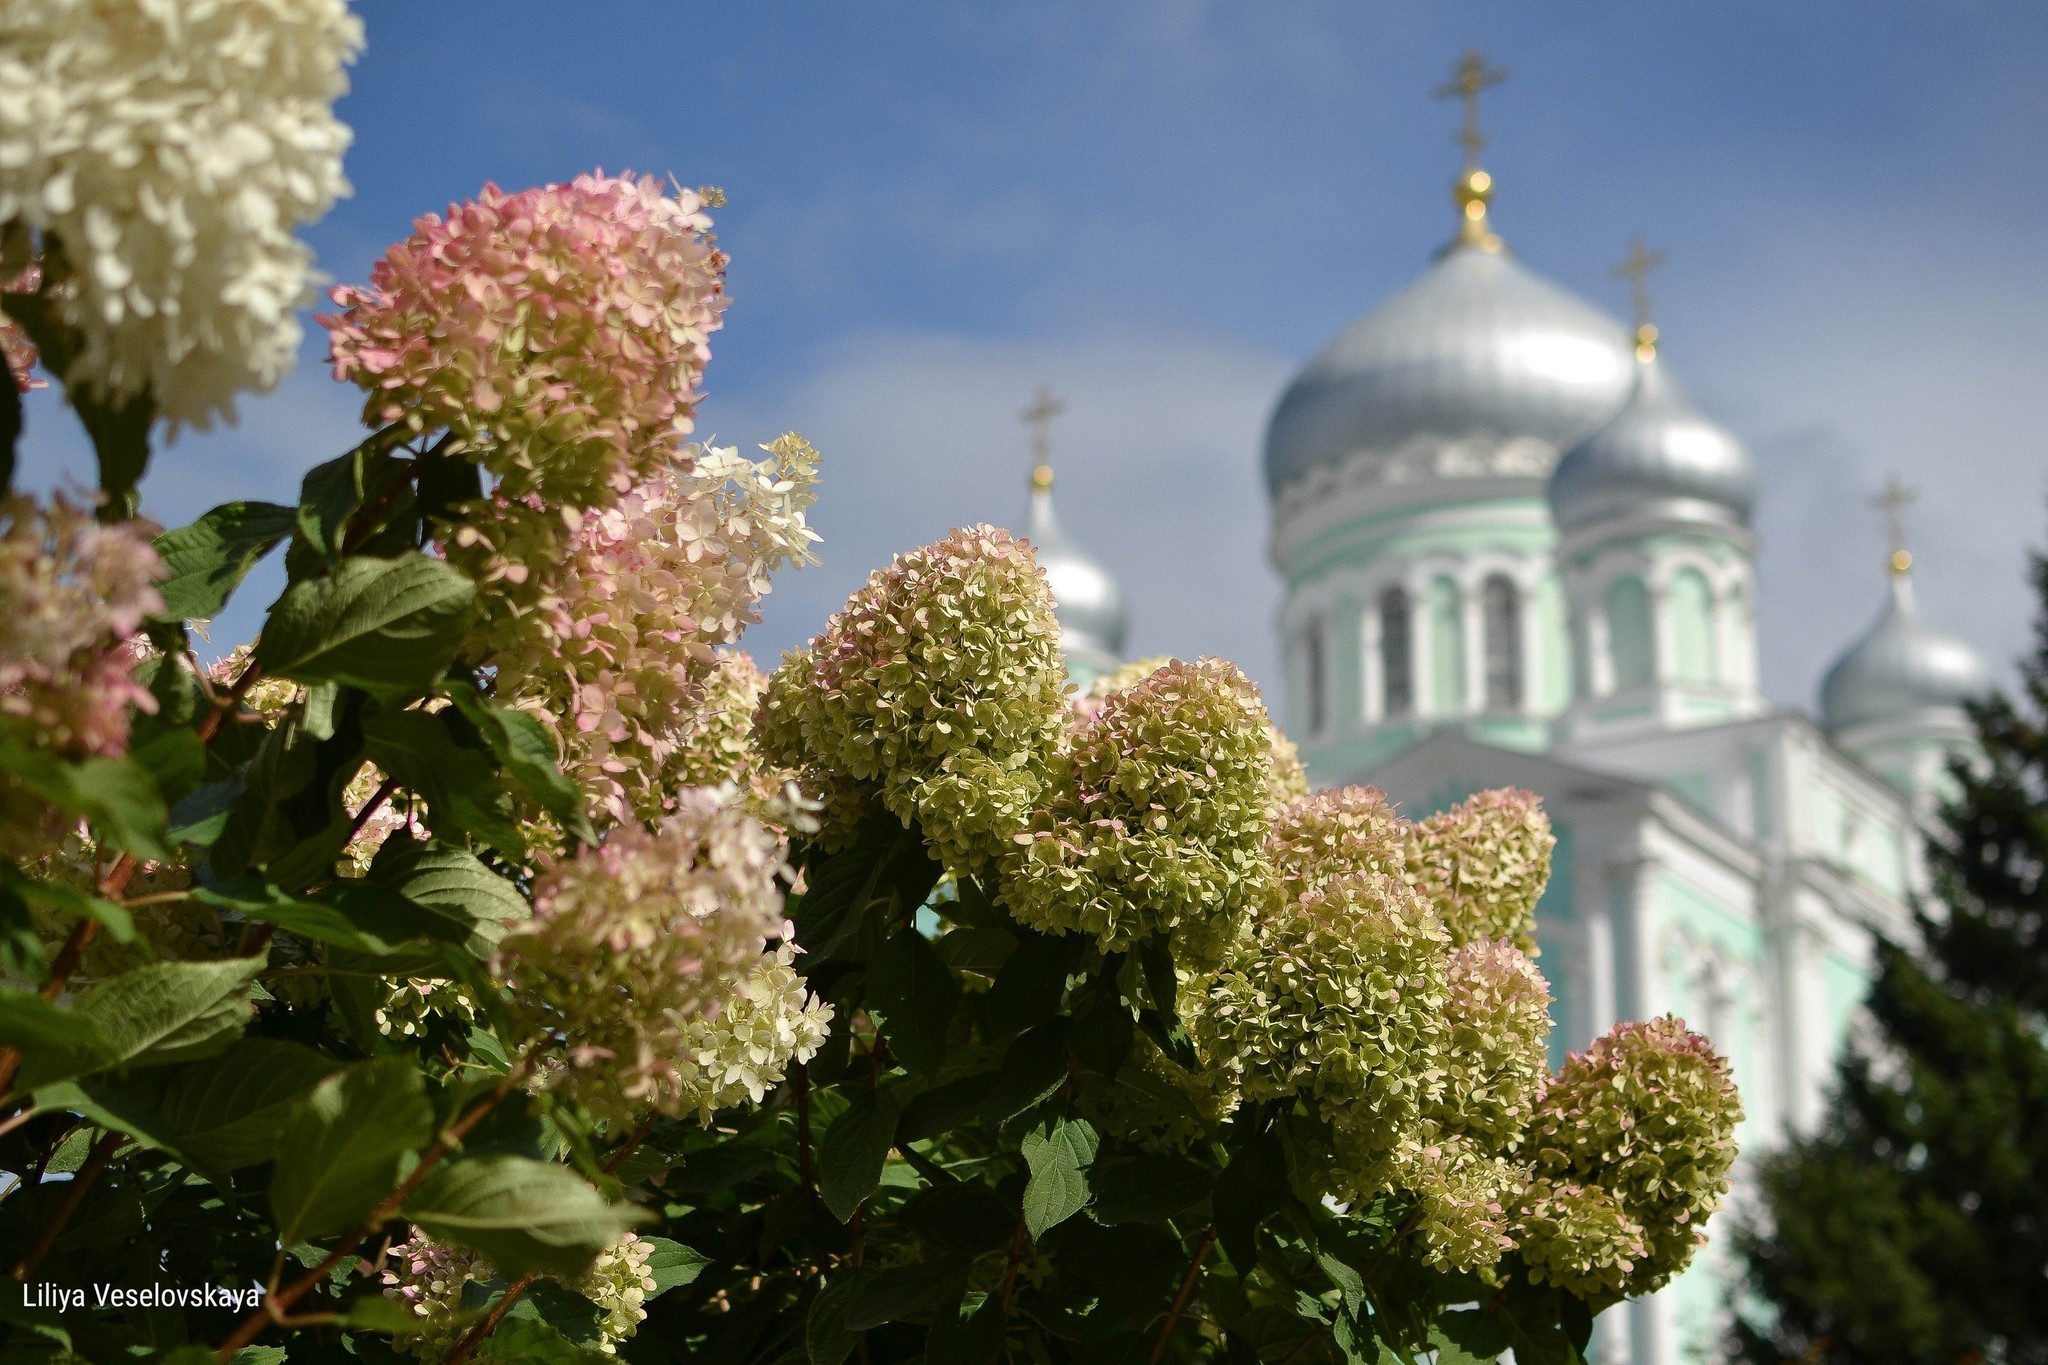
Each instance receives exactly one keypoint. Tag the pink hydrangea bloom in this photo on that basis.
(73, 594)
(559, 333)
(633, 939)
(617, 649)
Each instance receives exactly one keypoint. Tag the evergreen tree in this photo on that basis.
(1913, 1225)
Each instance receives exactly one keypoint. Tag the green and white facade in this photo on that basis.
(1515, 556)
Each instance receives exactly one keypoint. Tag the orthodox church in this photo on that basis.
(1514, 554)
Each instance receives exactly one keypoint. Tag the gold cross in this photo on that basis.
(1893, 501)
(1044, 407)
(1470, 76)
(1635, 268)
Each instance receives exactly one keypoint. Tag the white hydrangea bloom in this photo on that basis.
(769, 1022)
(619, 1285)
(171, 147)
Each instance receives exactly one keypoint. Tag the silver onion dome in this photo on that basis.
(1477, 345)
(1656, 458)
(1087, 600)
(1902, 668)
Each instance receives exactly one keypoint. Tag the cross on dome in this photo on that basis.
(1474, 189)
(1044, 407)
(1893, 500)
(1635, 268)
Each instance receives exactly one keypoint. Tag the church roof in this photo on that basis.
(1656, 457)
(1900, 669)
(1479, 345)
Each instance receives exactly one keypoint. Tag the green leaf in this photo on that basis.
(525, 1215)
(330, 496)
(906, 1293)
(1059, 1155)
(119, 427)
(827, 1338)
(1252, 1186)
(343, 1146)
(252, 896)
(946, 1107)
(856, 1146)
(388, 626)
(671, 1265)
(205, 561)
(73, 902)
(158, 1014)
(54, 1042)
(118, 796)
(1034, 1067)
(113, 1109)
(531, 1341)
(463, 792)
(969, 1333)
(1149, 1188)
(1103, 1031)
(454, 883)
(1032, 982)
(1349, 1284)
(916, 995)
(526, 752)
(230, 1111)
(1467, 1336)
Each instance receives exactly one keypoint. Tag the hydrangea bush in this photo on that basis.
(489, 961)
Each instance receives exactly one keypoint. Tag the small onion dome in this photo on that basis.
(1900, 669)
(1656, 458)
(1087, 600)
(1477, 345)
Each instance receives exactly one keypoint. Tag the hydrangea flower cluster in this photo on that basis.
(616, 651)
(1647, 1115)
(1578, 1238)
(620, 1285)
(938, 691)
(1484, 864)
(1340, 998)
(166, 152)
(1289, 778)
(1159, 827)
(719, 745)
(738, 1054)
(632, 940)
(559, 333)
(1462, 1196)
(73, 594)
(426, 1277)
(1341, 832)
(1498, 1009)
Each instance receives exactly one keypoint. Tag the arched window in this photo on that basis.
(1692, 627)
(1446, 648)
(1314, 667)
(1500, 620)
(1630, 646)
(1397, 654)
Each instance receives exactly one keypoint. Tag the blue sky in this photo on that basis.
(1160, 208)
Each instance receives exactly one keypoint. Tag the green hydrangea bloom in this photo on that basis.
(1159, 824)
(1336, 833)
(1578, 1238)
(1498, 1010)
(1289, 780)
(938, 690)
(1484, 864)
(1648, 1113)
(1462, 1197)
(1339, 996)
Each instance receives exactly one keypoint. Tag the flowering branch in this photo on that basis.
(274, 1305)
